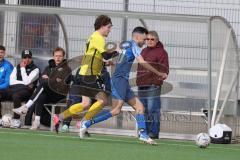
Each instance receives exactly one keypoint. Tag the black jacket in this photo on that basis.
(59, 77)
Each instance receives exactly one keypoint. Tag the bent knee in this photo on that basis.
(140, 109)
(85, 103)
(102, 98)
(116, 112)
(103, 101)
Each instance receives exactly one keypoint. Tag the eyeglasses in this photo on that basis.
(150, 39)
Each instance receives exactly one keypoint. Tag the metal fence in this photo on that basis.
(229, 9)
(186, 38)
(196, 46)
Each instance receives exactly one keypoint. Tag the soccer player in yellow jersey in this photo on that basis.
(92, 86)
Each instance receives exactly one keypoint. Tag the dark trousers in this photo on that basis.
(17, 94)
(37, 92)
(45, 116)
(46, 96)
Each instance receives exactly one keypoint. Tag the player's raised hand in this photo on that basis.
(23, 64)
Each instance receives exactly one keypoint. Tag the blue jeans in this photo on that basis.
(152, 104)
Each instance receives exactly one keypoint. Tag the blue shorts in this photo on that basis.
(121, 89)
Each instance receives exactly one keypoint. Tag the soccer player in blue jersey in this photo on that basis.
(121, 90)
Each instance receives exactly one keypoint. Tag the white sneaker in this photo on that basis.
(0, 122)
(82, 130)
(146, 139)
(35, 124)
(15, 123)
(21, 110)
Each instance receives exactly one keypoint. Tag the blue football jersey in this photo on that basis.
(125, 60)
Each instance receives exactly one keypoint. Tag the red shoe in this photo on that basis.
(56, 122)
(78, 124)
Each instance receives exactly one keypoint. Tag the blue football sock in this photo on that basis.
(141, 123)
(88, 123)
(98, 119)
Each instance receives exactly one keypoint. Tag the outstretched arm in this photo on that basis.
(109, 54)
(146, 65)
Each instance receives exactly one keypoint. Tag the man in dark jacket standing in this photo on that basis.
(149, 86)
(23, 81)
(53, 87)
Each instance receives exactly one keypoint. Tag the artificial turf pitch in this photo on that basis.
(40, 145)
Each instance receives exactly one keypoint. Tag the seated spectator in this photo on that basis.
(51, 89)
(5, 70)
(23, 81)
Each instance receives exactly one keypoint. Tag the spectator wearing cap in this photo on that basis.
(23, 81)
(5, 70)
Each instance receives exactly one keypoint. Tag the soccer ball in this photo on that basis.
(202, 140)
(6, 120)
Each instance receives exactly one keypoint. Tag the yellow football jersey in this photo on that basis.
(92, 62)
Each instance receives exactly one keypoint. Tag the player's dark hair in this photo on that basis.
(102, 20)
(140, 30)
(2, 48)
